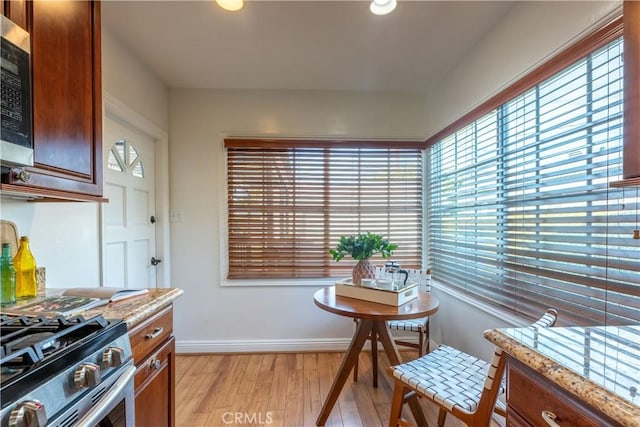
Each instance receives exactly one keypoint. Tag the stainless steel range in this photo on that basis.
(65, 372)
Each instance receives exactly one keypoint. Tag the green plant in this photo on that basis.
(362, 246)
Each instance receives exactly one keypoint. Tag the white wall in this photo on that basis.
(131, 82)
(65, 237)
(210, 317)
(530, 33)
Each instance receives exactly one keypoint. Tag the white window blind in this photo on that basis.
(289, 201)
(520, 212)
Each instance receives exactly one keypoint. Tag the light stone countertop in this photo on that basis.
(599, 365)
(136, 309)
(132, 310)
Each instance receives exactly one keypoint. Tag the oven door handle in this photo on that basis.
(102, 408)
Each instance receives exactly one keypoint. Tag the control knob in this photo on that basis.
(29, 413)
(86, 375)
(112, 357)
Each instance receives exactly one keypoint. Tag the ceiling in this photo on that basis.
(307, 45)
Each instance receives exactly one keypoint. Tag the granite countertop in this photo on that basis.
(599, 365)
(136, 309)
(132, 310)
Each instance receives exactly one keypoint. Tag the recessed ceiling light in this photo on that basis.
(382, 7)
(231, 5)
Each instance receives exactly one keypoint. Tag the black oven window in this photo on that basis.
(116, 418)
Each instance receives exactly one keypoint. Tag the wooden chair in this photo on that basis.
(458, 383)
(421, 326)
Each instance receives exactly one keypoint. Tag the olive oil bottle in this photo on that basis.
(25, 265)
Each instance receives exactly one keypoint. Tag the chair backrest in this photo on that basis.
(548, 319)
(496, 370)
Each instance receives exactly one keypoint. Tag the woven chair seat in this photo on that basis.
(413, 325)
(448, 376)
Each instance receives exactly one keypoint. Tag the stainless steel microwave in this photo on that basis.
(16, 137)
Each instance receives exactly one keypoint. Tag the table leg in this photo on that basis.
(391, 350)
(365, 327)
(374, 358)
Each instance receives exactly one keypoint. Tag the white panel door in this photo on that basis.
(128, 223)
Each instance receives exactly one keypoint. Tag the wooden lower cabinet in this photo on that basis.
(153, 348)
(154, 388)
(529, 394)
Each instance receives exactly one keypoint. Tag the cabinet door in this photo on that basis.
(154, 388)
(67, 104)
(16, 10)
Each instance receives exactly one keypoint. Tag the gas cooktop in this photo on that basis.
(35, 349)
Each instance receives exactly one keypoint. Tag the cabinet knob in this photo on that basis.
(550, 418)
(155, 364)
(30, 413)
(21, 175)
(86, 375)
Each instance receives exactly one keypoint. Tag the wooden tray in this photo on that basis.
(346, 288)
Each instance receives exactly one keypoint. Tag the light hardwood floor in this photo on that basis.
(285, 389)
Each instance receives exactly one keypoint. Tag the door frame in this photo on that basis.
(118, 111)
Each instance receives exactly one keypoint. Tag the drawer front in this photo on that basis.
(148, 335)
(153, 365)
(529, 395)
(515, 420)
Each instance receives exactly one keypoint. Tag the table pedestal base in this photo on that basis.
(366, 327)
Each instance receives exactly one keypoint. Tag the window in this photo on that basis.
(289, 201)
(520, 212)
(123, 157)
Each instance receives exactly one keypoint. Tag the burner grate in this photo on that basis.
(44, 336)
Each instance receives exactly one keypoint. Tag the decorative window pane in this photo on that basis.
(113, 162)
(133, 155)
(138, 170)
(124, 157)
(119, 147)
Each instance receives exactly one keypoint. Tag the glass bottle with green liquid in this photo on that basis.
(7, 277)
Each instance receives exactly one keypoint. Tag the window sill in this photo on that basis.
(263, 283)
(492, 311)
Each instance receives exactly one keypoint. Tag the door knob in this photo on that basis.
(155, 261)
(153, 219)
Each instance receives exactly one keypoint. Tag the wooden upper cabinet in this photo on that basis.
(67, 102)
(16, 10)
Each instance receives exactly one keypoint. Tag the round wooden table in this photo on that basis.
(373, 322)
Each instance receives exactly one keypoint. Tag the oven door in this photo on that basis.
(111, 404)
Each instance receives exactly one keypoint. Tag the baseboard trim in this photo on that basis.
(262, 346)
(267, 346)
